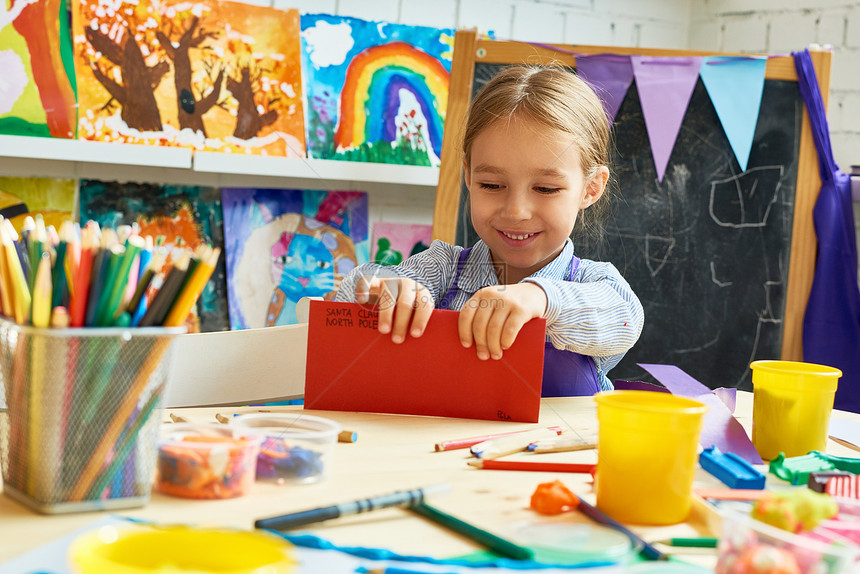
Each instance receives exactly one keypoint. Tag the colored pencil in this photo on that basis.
(532, 466)
(689, 542)
(496, 447)
(597, 515)
(133, 245)
(78, 303)
(117, 421)
(487, 539)
(347, 436)
(469, 442)
(160, 306)
(99, 268)
(186, 299)
(565, 443)
(123, 449)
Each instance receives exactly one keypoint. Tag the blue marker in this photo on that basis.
(399, 498)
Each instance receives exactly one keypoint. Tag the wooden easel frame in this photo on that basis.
(469, 50)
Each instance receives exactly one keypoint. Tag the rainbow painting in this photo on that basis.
(376, 91)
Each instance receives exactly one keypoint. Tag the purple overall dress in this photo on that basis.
(565, 373)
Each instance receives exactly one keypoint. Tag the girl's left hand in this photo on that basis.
(493, 316)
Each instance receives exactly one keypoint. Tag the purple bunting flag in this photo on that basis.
(610, 75)
(665, 86)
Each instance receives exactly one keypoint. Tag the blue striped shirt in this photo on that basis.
(596, 314)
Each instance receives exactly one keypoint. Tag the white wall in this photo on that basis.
(767, 26)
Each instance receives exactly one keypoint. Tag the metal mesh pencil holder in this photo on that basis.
(83, 414)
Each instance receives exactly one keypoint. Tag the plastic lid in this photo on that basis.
(574, 543)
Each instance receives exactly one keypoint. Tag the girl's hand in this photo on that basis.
(400, 300)
(493, 316)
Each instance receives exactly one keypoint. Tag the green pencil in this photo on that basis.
(691, 542)
(492, 542)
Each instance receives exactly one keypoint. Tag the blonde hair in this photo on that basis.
(557, 98)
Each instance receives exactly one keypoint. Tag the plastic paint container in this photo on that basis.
(791, 406)
(206, 461)
(179, 550)
(296, 447)
(646, 446)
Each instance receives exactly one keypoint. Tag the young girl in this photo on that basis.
(535, 153)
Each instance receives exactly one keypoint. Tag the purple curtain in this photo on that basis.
(831, 325)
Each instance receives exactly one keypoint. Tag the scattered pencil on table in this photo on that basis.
(471, 441)
(347, 436)
(405, 498)
(689, 542)
(509, 444)
(532, 466)
(487, 539)
(565, 443)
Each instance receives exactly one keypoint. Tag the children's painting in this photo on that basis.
(376, 92)
(285, 244)
(52, 199)
(215, 75)
(395, 242)
(189, 215)
(37, 75)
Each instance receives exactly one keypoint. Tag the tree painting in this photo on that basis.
(212, 75)
(190, 108)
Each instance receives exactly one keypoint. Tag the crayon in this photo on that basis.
(405, 498)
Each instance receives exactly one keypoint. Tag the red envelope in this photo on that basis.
(352, 367)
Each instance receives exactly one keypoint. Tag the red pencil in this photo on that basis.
(78, 304)
(532, 466)
(469, 442)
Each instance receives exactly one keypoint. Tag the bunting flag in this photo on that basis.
(735, 86)
(665, 86)
(610, 75)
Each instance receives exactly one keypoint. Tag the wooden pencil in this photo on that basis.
(160, 306)
(471, 441)
(532, 466)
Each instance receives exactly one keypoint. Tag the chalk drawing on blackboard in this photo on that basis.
(657, 250)
(716, 281)
(745, 200)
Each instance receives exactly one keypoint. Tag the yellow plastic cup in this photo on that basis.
(179, 550)
(791, 406)
(647, 444)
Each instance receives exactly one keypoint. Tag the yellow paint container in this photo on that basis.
(647, 444)
(143, 549)
(791, 406)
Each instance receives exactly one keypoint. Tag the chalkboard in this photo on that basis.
(708, 250)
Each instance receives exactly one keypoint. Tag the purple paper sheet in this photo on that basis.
(719, 427)
(639, 386)
(729, 396)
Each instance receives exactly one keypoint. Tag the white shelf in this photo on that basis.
(319, 169)
(53, 157)
(56, 149)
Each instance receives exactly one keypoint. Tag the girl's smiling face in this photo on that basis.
(526, 187)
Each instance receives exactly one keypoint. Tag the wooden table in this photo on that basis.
(393, 452)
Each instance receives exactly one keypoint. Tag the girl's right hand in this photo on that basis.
(400, 301)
